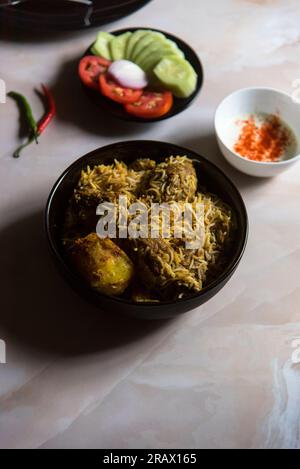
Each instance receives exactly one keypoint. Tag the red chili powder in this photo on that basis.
(262, 142)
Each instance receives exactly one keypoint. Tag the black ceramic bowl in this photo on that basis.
(179, 105)
(209, 176)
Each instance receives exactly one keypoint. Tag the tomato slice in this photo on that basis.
(90, 68)
(112, 90)
(151, 105)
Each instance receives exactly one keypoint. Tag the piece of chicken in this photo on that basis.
(174, 179)
(143, 164)
(159, 265)
(103, 264)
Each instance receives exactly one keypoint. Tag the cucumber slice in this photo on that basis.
(175, 48)
(150, 60)
(134, 39)
(118, 45)
(177, 75)
(157, 51)
(140, 48)
(101, 45)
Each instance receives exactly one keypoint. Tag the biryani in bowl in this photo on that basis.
(147, 230)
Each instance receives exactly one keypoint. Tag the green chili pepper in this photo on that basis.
(28, 142)
(28, 113)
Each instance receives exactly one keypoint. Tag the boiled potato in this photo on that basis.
(103, 264)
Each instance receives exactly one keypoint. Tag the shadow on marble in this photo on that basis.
(75, 107)
(38, 309)
(9, 32)
(207, 146)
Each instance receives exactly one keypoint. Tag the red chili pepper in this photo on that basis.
(47, 118)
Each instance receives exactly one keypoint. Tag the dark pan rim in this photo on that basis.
(219, 280)
(70, 20)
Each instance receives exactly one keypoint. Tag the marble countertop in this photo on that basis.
(224, 375)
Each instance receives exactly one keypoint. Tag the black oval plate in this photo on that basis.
(62, 15)
(179, 104)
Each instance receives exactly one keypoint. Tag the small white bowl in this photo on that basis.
(245, 102)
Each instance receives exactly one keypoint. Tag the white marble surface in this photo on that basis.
(221, 376)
